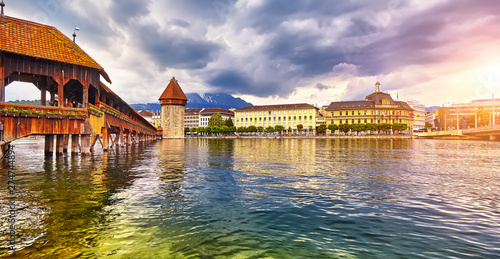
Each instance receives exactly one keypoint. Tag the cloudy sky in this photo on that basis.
(282, 51)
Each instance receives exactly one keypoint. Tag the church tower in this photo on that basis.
(172, 103)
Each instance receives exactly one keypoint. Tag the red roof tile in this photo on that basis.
(42, 41)
(173, 91)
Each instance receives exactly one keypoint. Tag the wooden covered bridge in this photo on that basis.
(80, 106)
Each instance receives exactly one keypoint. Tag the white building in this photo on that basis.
(205, 115)
(419, 112)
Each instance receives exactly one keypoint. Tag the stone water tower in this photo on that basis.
(172, 103)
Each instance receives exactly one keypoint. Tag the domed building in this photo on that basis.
(378, 107)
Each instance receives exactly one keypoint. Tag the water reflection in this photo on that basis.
(275, 198)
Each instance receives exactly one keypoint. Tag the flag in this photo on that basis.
(417, 116)
(411, 114)
(77, 29)
(398, 113)
(397, 95)
(384, 113)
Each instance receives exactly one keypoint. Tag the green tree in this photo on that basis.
(186, 130)
(333, 127)
(193, 130)
(216, 129)
(241, 129)
(269, 129)
(299, 128)
(215, 120)
(252, 128)
(228, 122)
(279, 128)
(225, 129)
(371, 127)
(344, 127)
(322, 128)
(260, 129)
(232, 129)
(384, 127)
(358, 127)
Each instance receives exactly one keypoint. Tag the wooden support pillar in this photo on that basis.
(43, 93)
(75, 144)
(2, 84)
(85, 142)
(119, 139)
(105, 139)
(85, 100)
(59, 144)
(49, 144)
(65, 143)
(60, 90)
(129, 138)
(52, 94)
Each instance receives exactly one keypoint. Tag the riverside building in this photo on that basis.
(378, 107)
(286, 115)
(465, 115)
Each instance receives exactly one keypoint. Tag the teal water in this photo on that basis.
(259, 198)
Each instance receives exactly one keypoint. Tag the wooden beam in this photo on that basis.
(43, 92)
(49, 144)
(85, 139)
(60, 90)
(59, 144)
(75, 145)
(105, 138)
(2, 84)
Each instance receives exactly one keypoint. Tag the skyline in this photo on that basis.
(270, 52)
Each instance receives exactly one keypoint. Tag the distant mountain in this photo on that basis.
(431, 108)
(224, 101)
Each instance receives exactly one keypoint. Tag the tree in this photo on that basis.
(200, 130)
(428, 125)
(216, 129)
(260, 129)
(322, 128)
(225, 129)
(193, 130)
(384, 127)
(228, 122)
(269, 129)
(300, 127)
(215, 120)
(332, 127)
(358, 127)
(279, 128)
(186, 130)
(345, 127)
(371, 127)
(241, 129)
(252, 128)
(399, 126)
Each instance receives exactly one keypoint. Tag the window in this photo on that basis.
(300, 111)
(300, 118)
(359, 112)
(359, 121)
(260, 113)
(340, 113)
(279, 118)
(294, 111)
(260, 119)
(365, 113)
(250, 119)
(371, 112)
(269, 112)
(352, 112)
(264, 118)
(289, 118)
(246, 119)
(331, 115)
(274, 118)
(310, 111)
(340, 122)
(371, 120)
(311, 117)
(365, 121)
(294, 118)
(352, 121)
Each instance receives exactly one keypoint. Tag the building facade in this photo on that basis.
(286, 115)
(205, 115)
(172, 103)
(465, 115)
(419, 118)
(192, 117)
(156, 119)
(378, 107)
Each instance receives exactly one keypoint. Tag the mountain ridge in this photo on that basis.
(207, 100)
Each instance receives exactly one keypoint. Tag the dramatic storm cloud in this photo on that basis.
(279, 51)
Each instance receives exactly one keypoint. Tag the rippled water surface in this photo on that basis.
(258, 198)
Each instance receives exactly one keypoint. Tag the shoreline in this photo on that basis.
(303, 137)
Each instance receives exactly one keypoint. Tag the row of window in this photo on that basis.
(377, 112)
(290, 124)
(274, 118)
(254, 113)
(364, 121)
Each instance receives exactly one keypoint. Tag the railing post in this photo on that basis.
(65, 143)
(2, 84)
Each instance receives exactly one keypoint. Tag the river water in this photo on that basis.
(258, 198)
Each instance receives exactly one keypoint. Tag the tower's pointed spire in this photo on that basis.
(2, 4)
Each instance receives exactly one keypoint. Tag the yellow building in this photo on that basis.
(378, 107)
(286, 115)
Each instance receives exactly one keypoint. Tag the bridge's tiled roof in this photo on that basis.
(42, 41)
(173, 91)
